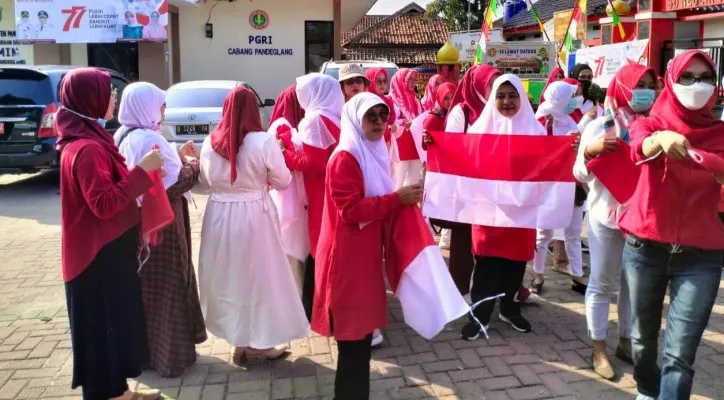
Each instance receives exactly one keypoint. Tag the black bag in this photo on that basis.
(581, 195)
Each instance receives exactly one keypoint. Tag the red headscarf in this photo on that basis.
(442, 91)
(700, 127)
(619, 90)
(287, 107)
(85, 94)
(240, 116)
(577, 114)
(372, 74)
(404, 98)
(428, 100)
(469, 93)
(551, 79)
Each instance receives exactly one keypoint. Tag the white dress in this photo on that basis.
(248, 294)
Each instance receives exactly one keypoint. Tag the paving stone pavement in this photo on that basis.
(551, 362)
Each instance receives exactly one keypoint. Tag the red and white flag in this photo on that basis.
(517, 181)
(418, 274)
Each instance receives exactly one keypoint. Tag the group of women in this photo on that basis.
(297, 215)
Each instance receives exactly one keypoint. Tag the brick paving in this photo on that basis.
(551, 362)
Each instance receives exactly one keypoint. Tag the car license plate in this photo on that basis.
(192, 129)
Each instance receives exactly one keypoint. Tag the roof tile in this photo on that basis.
(545, 10)
(400, 56)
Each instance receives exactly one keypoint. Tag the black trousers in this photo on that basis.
(308, 288)
(352, 381)
(492, 276)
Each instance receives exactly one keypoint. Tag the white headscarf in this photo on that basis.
(141, 106)
(557, 96)
(524, 122)
(319, 95)
(373, 158)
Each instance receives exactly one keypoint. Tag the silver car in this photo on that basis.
(193, 109)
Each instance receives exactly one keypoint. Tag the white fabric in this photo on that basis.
(547, 205)
(406, 173)
(141, 141)
(319, 95)
(416, 128)
(428, 294)
(248, 294)
(606, 248)
(372, 157)
(557, 96)
(140, 106)
(602, 207)
(291, 203)
(571, 239)
(455, 121)
(524, 122)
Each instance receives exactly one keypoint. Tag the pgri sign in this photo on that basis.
(253, 39)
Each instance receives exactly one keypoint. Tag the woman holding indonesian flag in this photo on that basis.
(630, 95)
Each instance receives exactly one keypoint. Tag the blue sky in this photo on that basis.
(386, 7)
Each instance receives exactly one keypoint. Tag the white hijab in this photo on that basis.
(557, 96)
(373, 158)
(491, 121)
(319, 95)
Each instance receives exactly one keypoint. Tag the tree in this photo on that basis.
(455, 13)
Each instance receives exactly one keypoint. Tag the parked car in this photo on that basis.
(194, 108)
(28, 103)
(331, 67)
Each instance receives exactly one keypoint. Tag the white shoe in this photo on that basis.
(377, 338)
(644, 397)
(532, 299)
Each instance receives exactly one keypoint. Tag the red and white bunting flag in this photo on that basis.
(418, 274)
(516, 181)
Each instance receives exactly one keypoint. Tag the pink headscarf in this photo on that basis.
(470, 93)
(403, 97)
(428, 100)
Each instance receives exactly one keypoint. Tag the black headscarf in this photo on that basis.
(575, 72)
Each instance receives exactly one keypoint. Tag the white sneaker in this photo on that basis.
(532, 299)
(644, 397)
(377, 338)
(444, 239)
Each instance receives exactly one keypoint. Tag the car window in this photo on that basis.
(196, 97)
(25, 87)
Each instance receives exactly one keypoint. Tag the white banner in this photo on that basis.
(466, 43)
(91, 21)
(11, 51)
(608, 59)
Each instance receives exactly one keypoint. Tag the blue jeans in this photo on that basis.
(693, 277)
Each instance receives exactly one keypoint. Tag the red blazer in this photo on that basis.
(512, 243)
(674, 202)
(97, 206)
(312, 162)
(349, 276)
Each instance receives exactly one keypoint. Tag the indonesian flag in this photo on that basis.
(419, 275)
(577, 20)
(516, 181)
(617, 172)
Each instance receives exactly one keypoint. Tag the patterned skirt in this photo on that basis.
(175, 323)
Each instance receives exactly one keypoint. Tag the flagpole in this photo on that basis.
(575, 7)
(542, 28)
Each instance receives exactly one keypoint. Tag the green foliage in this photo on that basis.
(597, 93)
(455, 13)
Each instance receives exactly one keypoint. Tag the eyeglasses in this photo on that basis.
(688, 79)
(381, 81)
(373, 117)
(355, 81)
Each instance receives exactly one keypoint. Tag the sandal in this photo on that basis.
(267, 354)
(579, 287)
(536, 287)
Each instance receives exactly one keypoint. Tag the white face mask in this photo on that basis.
(579, 101)
(694, 97)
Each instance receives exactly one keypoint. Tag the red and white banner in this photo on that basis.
(518, 181)
(91, 21)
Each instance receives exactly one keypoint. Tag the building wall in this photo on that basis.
(714, 28)
(203, 58)
(686, 29)
(79, 54)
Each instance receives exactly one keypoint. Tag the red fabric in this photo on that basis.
(518, 158)
(240, 116)
(98, 203)
(406, 147)
(512, 243)
(287, 107)
(573, 82)
(433, 122)
(403, 96)
(708, 161)
(551, 79)
(429, 99)
(721, 200)
(406, 236)
(626, 80)
(548, 124)
(156, 211)
(97, 193)
(349, 277)
(472, 87)
(312, 163)
(675, 203)
(617, 172)
(372, 75)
